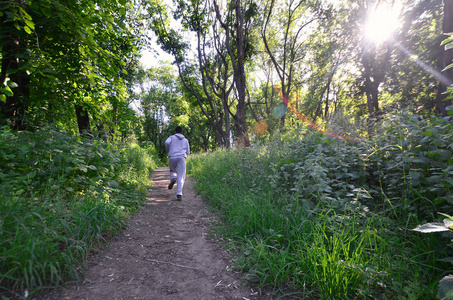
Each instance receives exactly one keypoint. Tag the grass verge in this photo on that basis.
(309, 217)
(60, 198)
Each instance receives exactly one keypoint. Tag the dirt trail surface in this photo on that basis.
(164, 253)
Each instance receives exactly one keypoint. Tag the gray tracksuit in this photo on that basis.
(178, 148)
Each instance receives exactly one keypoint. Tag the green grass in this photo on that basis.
(309, 217)
(62, 197)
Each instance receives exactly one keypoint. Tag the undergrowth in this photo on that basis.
(60, 198)
(320, 218)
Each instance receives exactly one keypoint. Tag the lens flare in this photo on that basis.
(303, 118)
(261, 127)
(382, 22)
(439, 76)
(279, 111)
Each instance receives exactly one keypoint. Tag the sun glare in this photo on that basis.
(382, 23)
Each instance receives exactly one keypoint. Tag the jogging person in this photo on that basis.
(178, 148)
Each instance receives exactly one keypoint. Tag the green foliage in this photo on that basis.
(70, 53)
(137, 162)
(60, 197)
(160, 102)
(316, 217)
(448, 43)
(413, 159)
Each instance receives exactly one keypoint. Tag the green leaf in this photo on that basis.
(30, 24)
(448, 223)
(7, 91)
(25, 14)
(431, 227)
(447, 259)
(113, 184)
(31, 174)
(420, 160)
(433, 179)
(443, 153)
(445, 287)
(12, 84)
(431, 131)
(122, 11)
(3, 97)
(447, 40)
(439, 201)
(123, 2)
(46, 11)
(447, 216)
(449, 180)
(449, 66)
(27, 29)
(415, 175)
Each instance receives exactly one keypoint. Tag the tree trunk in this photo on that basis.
(101, 131)
(374, 61)
(445, 60)
(114, 117)
(83, 120)
(285, 93)
(326, 110)
(227, 131)
(239, 75)
(13, 50)
(370, 86)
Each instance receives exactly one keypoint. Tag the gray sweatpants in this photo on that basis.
(178, 171)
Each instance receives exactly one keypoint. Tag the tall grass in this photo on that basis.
(60, 198)
(315, 217)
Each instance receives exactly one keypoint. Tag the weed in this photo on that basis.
(324, 218)
(60, 198)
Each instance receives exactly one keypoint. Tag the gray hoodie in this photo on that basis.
(177, 145)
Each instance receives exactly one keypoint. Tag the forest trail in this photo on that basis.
(164, 253)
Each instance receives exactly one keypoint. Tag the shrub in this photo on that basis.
(60, 197)
(318, 217)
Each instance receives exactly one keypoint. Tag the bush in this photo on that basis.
(60, 197)
(317, 217)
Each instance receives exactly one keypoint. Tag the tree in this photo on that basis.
(392, 73)
(285, 30)
(15, 25)
(159, 98)
(214, 68)
(238, 27)
(375, 58)
(72, 61)
(330, 49)
(408, 78)
(445, 60)
(229, 48)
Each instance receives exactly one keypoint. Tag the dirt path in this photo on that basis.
(164, 253)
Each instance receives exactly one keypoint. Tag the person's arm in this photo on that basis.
(187, 147)
(168, 144)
